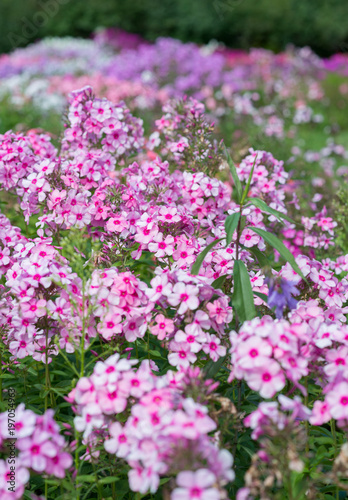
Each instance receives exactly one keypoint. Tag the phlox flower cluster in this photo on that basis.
(61, 184)
(164, 431)
(276, 416)
(184, 312)
(40, 448)
(183, 136)
(267, 353)
(42, 297)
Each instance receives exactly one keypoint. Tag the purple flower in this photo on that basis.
(280, 295)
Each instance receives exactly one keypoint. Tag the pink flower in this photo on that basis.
(160, 286)
(25, 422)
(320, 413)
(4, 256)
(101, 110)
(136, 384)
(79, 216)
(220, 311)
(169, 215)
(56, 466)
(191, 337)
(213, 347)
(118, 443)
(21, 478)
(36, 450)
(254, 352)
(110, 326)
(249, 238)
(337, 361)
(185, 295)
(90, 418)
(34, 308)
(162, 327)
(161, 247)
(322, 278)
(117, 224)
(143, 480)
(267, 380)
(134, 328)
(38, 276)
(195, 485)
(182, 355)
(337, 400)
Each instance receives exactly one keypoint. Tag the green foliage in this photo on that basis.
(275, 243)
(199, 260)
(27, 116)
(231, 224)
(242, 299)
(80, 250)
(340, 207)
(238, 23)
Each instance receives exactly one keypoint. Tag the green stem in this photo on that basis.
(68, 362)
(83, 333)
(306, 422)
(47, 374)
(334, 435)
(77, 464)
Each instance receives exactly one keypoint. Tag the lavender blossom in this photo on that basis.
(280, 295)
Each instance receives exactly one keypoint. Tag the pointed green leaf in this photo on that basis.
(213, 367)
(198, 262)
(235, 177)
(109, 480)
(261, 296)
(231, 223)
(217, 284)
(85, 479)
(261, 257)
(257, 202)
(246, 189)
(242, 299)
(280, 247)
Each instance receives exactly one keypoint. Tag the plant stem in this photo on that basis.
(47, 375)
(83, 332)
(333, 432)
(77, 464)
(238, 231)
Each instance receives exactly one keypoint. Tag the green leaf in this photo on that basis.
(257, 202)
(108, 480)
(197, 264)
(242, 299)
(261, 296)
(164, 480)
(235, 177)
(217, 284)
(261, 257)
(280, 247)
(231, 223)
(246, 189)
(213, 367)
(85, 479)
(156, 354)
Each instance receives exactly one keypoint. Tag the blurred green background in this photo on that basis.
(321, 24)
